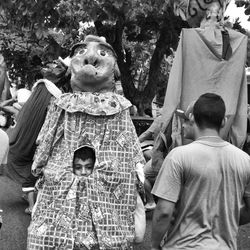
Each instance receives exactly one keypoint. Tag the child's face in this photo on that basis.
(83, 167)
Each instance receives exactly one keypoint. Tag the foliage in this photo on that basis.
(132, 27)
(143, 33)
(24, 26)
(245, 4)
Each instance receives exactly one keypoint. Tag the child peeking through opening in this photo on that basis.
(84, 161)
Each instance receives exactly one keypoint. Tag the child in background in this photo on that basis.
(84, 161)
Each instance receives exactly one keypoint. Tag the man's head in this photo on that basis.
(84, 161)
(187, 125)
(209, 111)
(93, 65)
(157, 108)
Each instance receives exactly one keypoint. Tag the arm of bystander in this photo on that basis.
(161, 221)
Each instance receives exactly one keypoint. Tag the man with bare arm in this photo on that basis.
(201, 187)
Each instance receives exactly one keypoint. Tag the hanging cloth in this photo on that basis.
(202, 64)
(23, 136)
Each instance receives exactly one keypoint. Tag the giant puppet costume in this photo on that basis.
(209, 58)
(94, 212)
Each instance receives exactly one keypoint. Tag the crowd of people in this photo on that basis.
(200, 195)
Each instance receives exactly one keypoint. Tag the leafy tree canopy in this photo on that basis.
(143, 33)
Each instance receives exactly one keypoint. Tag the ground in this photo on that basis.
(13, 233)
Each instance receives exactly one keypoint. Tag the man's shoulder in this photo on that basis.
(183, 149)
(181, 154)
(239, 152)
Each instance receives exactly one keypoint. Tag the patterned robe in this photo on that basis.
(94, 212)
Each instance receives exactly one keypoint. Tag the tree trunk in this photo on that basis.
(123, 58)
(168, 39)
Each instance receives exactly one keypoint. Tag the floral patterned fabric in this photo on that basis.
(94, 212)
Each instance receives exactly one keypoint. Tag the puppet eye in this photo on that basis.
(80, 51)
(102, 52)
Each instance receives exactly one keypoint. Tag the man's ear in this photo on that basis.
(224, 121)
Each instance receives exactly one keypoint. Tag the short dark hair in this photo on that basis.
(209, 111)
(85, 153)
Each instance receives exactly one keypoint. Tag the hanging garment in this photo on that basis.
(199, 68)
(94, 212)
(23, 136)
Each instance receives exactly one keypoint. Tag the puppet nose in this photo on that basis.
(90, 60)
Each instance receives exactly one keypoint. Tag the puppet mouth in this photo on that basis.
(89, 71)
(90, 75)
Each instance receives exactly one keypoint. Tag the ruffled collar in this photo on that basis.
(97, 104)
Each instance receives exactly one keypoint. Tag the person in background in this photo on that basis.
(5, 118)
(204, 185)
(147, 141)
(23, 136)
(150, 133)
(15, 104)
(4, 81)
(152, 172)
(4, 147)
(187, 124)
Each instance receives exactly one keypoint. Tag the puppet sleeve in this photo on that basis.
(47, 137)
(238, 132)
(174, 89)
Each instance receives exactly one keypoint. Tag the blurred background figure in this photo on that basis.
(147, 142)
(23, 136)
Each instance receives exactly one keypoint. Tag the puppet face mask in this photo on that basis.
(92, 67)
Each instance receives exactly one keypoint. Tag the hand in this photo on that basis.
(17, 106)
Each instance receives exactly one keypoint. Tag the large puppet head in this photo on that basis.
(93, 65)
(198, 12)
